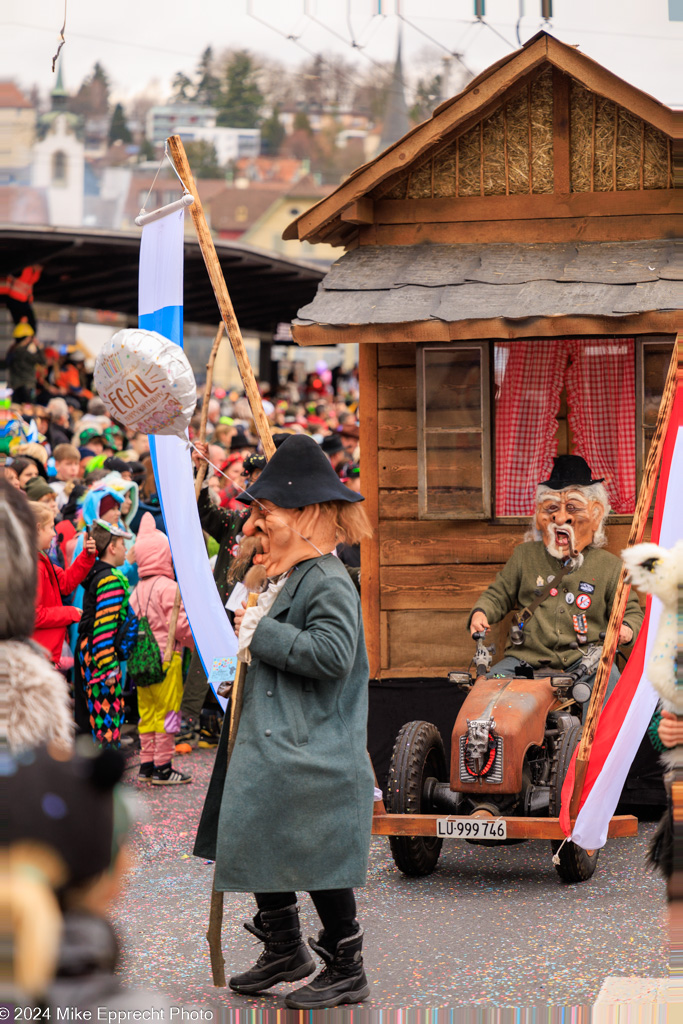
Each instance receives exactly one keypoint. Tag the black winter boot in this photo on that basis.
(342, 979)
(285, 957)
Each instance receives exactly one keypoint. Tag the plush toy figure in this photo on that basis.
(659, 571)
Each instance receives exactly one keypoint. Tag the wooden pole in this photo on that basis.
(232, 328)
(225, 306)
(645, 494)
(199, 480)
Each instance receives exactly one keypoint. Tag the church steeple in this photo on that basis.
(396, 119)
(59, 96)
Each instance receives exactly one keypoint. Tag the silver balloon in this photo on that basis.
(146, 382)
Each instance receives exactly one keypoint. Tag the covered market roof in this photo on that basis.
(442, 285)
(99, 269)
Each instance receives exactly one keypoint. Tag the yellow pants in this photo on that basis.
(159, 705)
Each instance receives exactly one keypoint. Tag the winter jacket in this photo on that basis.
(294, 811)
(52, 617)
(105, 602)
(154, 595)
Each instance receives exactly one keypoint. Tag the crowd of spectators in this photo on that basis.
(80, 469)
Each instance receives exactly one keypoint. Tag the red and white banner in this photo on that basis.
(627, 713)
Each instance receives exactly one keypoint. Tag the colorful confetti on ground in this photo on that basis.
(492, 927)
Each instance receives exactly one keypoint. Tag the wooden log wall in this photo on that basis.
(423, 576)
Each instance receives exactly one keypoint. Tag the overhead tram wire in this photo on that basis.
(437, 42)
(296, 40)
(352, 45)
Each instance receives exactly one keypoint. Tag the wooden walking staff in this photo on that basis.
(213, 266)
(199, 480)
(647, 487)
(182, 166)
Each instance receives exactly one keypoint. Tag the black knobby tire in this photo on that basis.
(576, 865)
(418, 755)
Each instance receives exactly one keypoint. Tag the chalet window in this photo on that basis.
(486, 437)
(454, 461)
(653, 356)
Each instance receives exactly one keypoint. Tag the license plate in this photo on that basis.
(471, 828)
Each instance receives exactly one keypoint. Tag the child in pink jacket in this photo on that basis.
(159, 704)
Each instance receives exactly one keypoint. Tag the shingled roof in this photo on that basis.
(404, 284)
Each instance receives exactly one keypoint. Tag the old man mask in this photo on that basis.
(570, 509)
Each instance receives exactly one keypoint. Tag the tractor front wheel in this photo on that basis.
(417, 756)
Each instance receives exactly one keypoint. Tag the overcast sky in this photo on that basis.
(146, 41)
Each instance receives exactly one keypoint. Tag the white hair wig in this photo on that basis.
(593, 492)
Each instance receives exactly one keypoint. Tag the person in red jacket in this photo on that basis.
(53, 617)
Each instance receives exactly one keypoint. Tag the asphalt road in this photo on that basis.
(491, 927)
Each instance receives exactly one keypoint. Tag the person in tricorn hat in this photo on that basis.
(563, 569)
(294, 811)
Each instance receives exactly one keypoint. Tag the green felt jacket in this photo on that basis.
(294, 810)
(551, 630)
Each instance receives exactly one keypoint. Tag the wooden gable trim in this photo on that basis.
(656, 322)
(596, 78)
(482, 92)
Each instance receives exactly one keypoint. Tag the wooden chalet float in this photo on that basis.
(533, 213)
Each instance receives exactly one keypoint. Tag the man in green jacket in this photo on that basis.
(293, 811)
(562, 557)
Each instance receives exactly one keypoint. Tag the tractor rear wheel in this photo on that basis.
(576, 864)
(417, 756)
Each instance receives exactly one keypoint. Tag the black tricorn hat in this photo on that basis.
(570, 471)
(299, 474)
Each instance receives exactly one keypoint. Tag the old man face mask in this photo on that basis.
(288, 535)
(567, 521)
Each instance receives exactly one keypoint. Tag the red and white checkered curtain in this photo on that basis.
(601, 399)
(529, 377)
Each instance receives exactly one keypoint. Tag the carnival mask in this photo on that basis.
(567, 521)
(288, 535)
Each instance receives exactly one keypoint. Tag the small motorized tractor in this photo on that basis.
(511, 747)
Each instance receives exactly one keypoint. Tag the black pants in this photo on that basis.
(336, 909)
(19, 309)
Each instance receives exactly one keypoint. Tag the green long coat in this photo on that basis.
(294, 811)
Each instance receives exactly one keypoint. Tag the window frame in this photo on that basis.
(484, 349)
(487, 349)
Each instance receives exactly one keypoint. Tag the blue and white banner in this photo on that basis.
(160, 308)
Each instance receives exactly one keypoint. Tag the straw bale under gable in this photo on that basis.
(420, 186)
(494, 154)
(518, 143)
(603, 176)
(629, 134)
(469, 177)
(445, 168)
(542, 132)
(656, 164)
(580, 137)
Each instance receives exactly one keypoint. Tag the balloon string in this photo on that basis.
(255, 501)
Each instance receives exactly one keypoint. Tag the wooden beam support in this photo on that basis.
(533, 327)
(361, 211)
(517, 828)
(525, 207)
(562, 229)
(369, 550)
